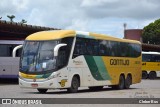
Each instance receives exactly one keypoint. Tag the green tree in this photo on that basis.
(151, 33)
(11, 17)
(23, 21)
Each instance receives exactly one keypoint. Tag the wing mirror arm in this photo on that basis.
(15, 50)
(57, 47)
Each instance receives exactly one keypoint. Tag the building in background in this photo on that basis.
(136, 34)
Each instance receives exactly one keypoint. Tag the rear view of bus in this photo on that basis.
(150, 65)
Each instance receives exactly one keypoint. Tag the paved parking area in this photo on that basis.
(145, 89)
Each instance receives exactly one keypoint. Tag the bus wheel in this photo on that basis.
(144, 75)
(121, 83)
(42, 90)
(128, 82)
(152, 75)
(74, 85)
(95, 88)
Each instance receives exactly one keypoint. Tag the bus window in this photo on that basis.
(104, 48)
(6, 50)
(89, 47)
(64, 52)
(95, 47)
(157, 58)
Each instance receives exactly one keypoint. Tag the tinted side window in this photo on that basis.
(86, 46)
(157, 58)
(64, 52)
(150, 58)
(102, 48)
(77, 48)
(6, 50)
(146, 58)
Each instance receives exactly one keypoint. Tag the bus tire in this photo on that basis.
(74, 85)
(96, 88)
(121, 83)
(152, 75)
(144, 75)
(128, 82)
(42, 91)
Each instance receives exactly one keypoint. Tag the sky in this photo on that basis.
(99, 16)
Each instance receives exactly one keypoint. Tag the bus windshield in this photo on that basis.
(38, 56)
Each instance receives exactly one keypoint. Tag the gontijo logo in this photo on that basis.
(119, 62)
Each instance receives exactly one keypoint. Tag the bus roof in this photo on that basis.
(58, 34)
(106, 37)
(153, 53)
(51, 35)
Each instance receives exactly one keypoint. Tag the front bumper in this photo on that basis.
(47, 84)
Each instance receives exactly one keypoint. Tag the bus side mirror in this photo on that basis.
(15, 49)
(56, 48)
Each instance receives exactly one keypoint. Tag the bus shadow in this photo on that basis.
(61, 92)
(157, 78)
(8, 81)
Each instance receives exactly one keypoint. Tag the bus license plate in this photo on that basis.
(34, 85)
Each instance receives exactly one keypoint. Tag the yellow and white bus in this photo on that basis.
(150, 65)
(68, 59)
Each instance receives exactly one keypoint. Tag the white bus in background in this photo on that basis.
(9, 66)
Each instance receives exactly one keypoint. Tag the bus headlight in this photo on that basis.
(54, 75)
(20, 76)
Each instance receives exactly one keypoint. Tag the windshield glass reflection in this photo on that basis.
(38, 56)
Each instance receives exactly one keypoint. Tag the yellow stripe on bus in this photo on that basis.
(51, 35)
(27, 75)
